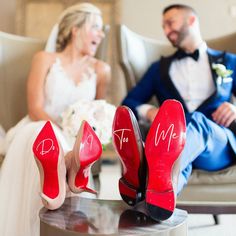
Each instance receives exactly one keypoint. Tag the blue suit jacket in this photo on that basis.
(157, 82)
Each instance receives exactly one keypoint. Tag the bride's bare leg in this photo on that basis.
(68, 159)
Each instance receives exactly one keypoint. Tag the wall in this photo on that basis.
(142, 16)
(7, 15)
(215, 16)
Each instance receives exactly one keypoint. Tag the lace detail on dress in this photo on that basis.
(61, 91)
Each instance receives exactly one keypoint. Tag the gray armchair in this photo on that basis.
(206, 192)
(16, 53)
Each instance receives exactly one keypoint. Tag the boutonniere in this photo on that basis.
(222, 72)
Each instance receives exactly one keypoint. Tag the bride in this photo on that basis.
(56, 80)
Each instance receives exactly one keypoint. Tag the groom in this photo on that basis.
(204, 89)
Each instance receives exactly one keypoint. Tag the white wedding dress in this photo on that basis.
(20, 201)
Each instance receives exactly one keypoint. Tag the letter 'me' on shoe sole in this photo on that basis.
(46, 153)
(164, 144)
(128, 143)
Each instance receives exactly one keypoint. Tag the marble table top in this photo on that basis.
(109, 217)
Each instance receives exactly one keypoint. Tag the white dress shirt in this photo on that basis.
(192, 79)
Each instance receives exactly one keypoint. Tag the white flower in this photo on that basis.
(98, 113)
(221, 70)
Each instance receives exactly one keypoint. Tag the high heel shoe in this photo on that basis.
(50, 161)
(128, 143)
(87, 149)
(164, 144)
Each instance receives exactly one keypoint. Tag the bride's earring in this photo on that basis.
(86, 151)
(51, 164)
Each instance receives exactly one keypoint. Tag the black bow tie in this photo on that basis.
(180, 54)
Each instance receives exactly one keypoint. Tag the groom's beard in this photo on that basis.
(181, 34)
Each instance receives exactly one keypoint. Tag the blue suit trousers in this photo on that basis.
(207, 148)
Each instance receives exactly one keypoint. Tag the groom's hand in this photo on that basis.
(151, 114)
(225, 114)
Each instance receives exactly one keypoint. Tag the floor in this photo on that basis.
(198, 224)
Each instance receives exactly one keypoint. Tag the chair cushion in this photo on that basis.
(224, 193)
(225, 176)
(217, 186)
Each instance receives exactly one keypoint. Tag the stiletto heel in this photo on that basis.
(86, 151)
(164, 144)
(50, 161)
(128, 143)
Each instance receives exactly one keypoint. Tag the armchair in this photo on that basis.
(206, 192)
(16, 53)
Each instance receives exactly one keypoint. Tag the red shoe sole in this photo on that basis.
(164, 144)
(90, 150)
(46, 151)
(128, 143)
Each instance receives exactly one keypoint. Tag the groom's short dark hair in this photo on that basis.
(179, 6)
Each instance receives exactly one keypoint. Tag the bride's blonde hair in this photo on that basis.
(76, 15)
